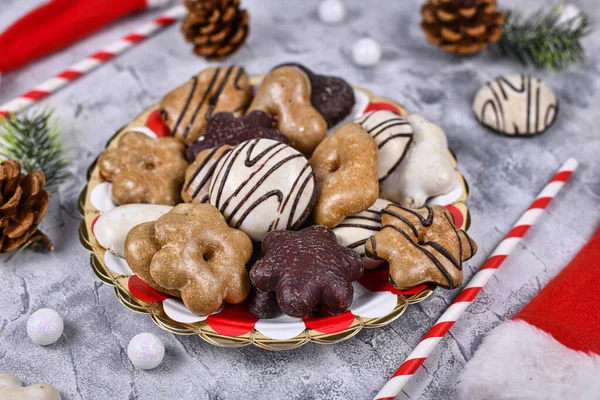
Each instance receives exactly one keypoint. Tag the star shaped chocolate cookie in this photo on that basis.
(307, 268)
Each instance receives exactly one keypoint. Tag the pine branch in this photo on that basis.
(543, 39)
(33, 139)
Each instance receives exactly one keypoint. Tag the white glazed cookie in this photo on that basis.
(263, 185)
(112, 227)
(354, 231)
(427, 169)
(393, 135)
(11, 388)
(518, 105)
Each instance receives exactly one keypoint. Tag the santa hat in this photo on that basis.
(59, 23)
(551, 348)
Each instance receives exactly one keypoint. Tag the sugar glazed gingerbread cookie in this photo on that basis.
(426, 171)
(345, 165)
(421, 246)
(333, 97)
(144, 169)
(225, 128)
(393, 134)
(263, 185)
(354, 231)
(186, 109)
(200, 172)
(286, 93)
(305, 269)
(192, 253)
(516, 105)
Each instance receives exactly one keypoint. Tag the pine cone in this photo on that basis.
(23, 204)
(217, 28)
(462, 26)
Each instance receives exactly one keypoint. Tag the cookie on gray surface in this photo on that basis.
(516, 105)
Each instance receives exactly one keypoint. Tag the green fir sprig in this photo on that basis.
(33, 139)
(544, 39)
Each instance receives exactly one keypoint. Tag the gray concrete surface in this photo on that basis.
(504, 174)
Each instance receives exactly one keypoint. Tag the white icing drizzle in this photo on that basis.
(393, 135)
(263, 185)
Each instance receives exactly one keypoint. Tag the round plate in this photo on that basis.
(376, 303)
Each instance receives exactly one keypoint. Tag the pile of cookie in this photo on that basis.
(251, 200)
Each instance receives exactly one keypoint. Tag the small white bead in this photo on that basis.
(45, 326)
(145, 351)
(569, 14)
(332, 11)
(366, 52)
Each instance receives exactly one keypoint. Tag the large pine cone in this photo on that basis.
(217, 28)
(462, 26)
(23, 204)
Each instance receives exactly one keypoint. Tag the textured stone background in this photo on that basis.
(89, 362)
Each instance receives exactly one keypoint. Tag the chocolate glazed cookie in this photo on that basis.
(333, 97)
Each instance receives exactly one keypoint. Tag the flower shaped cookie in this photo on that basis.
(307, 268)
(144, 170)
(421, 246)
(192, 253)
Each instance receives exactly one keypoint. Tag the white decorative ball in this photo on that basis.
(45, 326)
(366, 52)
(332, 11)
(145, 351)
(571, 15)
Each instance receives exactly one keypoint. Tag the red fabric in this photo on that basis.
(568, 307)
(56, 25)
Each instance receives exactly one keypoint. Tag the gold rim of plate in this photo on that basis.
(202, 329)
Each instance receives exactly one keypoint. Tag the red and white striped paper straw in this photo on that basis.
(477, 282)
(92, 62)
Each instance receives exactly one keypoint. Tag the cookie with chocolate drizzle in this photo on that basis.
(421, 246)
(186, 109)
(263, 185)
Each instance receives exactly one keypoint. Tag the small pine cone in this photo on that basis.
(217, 28)
(23, 204)
(462, 26)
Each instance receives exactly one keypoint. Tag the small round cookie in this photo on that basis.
(354, 231)
(345, 165)
(427, 169)
(516, 105)
(199, 173)
(286, 93)
(263, 185)
(144, 169)
(186, 109)
(393, 135)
